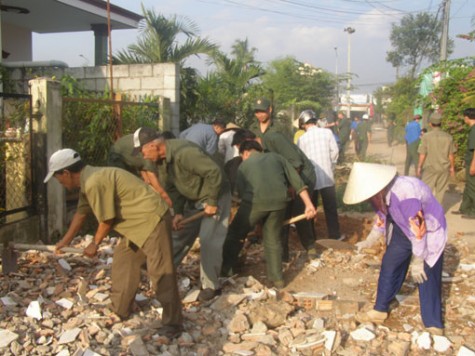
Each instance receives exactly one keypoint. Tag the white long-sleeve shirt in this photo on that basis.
(320, 147)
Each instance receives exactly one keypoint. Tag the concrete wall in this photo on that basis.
(135, 80)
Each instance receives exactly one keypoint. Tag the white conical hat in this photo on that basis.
(367, 179)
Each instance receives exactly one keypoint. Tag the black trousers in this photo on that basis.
(328, 195)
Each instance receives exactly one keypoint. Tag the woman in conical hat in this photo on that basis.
(414, 225)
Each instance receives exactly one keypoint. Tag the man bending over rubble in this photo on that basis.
(122, 202)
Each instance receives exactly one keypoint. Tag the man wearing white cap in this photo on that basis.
(416, 233)
(122, 202)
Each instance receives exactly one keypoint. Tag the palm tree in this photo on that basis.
(230, 81)
(158, 42)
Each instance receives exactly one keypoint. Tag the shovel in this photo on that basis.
(9, 255)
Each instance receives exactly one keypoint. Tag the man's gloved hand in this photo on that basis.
(371, 239)
(417, 270)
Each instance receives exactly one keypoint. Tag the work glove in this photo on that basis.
(371, 239)
(417, 270)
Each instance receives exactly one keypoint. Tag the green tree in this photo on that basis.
(455, 92)
(415, 39)
(222, 91)
(158, 41)
(298, 84)
(402, 94)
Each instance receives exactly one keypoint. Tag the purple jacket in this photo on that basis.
(406, 197)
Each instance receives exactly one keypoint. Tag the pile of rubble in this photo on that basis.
(57, 305)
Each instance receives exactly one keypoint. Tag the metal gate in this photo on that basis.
(16, 178)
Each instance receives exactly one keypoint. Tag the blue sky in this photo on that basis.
(308, 30)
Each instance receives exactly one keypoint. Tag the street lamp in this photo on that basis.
(349, 30)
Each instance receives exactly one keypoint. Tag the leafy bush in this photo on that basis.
(454, 93)
(90, 124)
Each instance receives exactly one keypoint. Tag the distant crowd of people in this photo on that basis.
(160, 193)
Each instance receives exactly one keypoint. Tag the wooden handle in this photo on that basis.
(294, 219)
(193, 217)
(50, 248)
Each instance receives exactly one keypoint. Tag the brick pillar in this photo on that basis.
(47, 110)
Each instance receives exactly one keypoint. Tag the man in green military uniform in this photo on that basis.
(122, 202)
(120, 155)
(436, 158)
(194, 178)
(467, 208)
(363, 133)
(262, 187)
(274, 141)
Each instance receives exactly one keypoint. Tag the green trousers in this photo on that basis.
(437, 181)
(244, 221)
(468, 201)
(362, 148)
(412, 156)
(126, 265)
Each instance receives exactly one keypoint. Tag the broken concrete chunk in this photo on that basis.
(137, 346)
(7, 337)
(229, 347)
(65, 303)
(64, 264)
(89, 352)
(8, 302)
(101, 296)
(423, 341)
(259, 327)
(330, 336)
(467, 267)
(318, 324)
(238, 324)
(69, 336)
(465, 351)
(441, 343)
(34, 310)
(63, 352)
(362, 334)
(139, 297)
(191, 296)
(225, 302)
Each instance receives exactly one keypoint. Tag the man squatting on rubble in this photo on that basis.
(261, 184)
(194, 182)
(122, 202)
(413, 222)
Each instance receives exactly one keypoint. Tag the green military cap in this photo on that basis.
(435, 118)
(261, 104)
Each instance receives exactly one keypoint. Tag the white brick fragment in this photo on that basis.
(34, 310)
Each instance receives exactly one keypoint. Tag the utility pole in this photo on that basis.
(337, 93)
(350, 30)
(444, 39)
